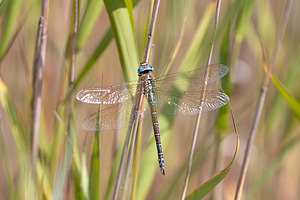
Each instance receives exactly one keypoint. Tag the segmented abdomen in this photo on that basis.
(151, 98)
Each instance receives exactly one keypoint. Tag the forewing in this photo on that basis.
(194, 79)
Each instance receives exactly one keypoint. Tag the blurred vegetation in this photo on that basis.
(110, 44)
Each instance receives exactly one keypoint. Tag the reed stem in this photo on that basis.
(135, 113)
(38, 69)
(196, 130)
(261, 102)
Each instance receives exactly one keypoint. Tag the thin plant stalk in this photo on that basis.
(123, 156)
(176, 49)
(135, 113)
(196, 130)
(140, 98)
(38, 68)
(261, 101)
(72, 63)
(145, 58)
(136, 162)
(133, 142)
(71, 76)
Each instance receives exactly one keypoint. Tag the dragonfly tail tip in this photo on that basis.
(162, 171)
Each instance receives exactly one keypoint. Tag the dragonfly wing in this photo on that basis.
(193, 79)
(110, 95)
(109, 118)
(188, 103)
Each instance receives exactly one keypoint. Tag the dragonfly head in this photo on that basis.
(143, 69)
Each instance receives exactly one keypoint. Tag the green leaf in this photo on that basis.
(243, 18)
(113, 173)
(293, 103)
(97, 53)
(11, 18)
(91, 13)
(92, 60)
(62, 171)
(129, 6)
(70, 152)
(84, 176)
(209, 185)
(123, 32)
(3, 5)
(94, 180)
(76, 175)
(222, 118)
(16, 130)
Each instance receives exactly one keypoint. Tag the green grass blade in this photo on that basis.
(13, 8)
(44, 180)
(62, 171)
(94, 180)
(209, 185)
(84, 176)
(243, 18)
(293, 103)
(123, 32)
(192, 57)
(7, 104)
(76, 175)
(3, 6)
(70, 152)
(113, 172)
(97, 53)
(199, 159)
(222, 118)
(129, 6)
(91, 13)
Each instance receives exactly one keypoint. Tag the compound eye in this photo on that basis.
(143, 69)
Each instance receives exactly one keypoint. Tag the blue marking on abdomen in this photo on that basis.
(152, 102)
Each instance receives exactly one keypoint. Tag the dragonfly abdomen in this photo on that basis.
(151, 98)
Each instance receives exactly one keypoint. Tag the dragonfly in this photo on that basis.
(165, 92)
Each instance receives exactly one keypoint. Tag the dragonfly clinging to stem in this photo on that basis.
(159, 92)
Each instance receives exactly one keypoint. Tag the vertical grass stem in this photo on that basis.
(135, 113)
(261, 102)
(196, 130)
(38, 68)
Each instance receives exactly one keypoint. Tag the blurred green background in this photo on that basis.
(101, 61)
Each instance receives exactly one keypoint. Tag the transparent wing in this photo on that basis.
(194, 79)
(110, 95)
(188, 103)
(112, 117)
